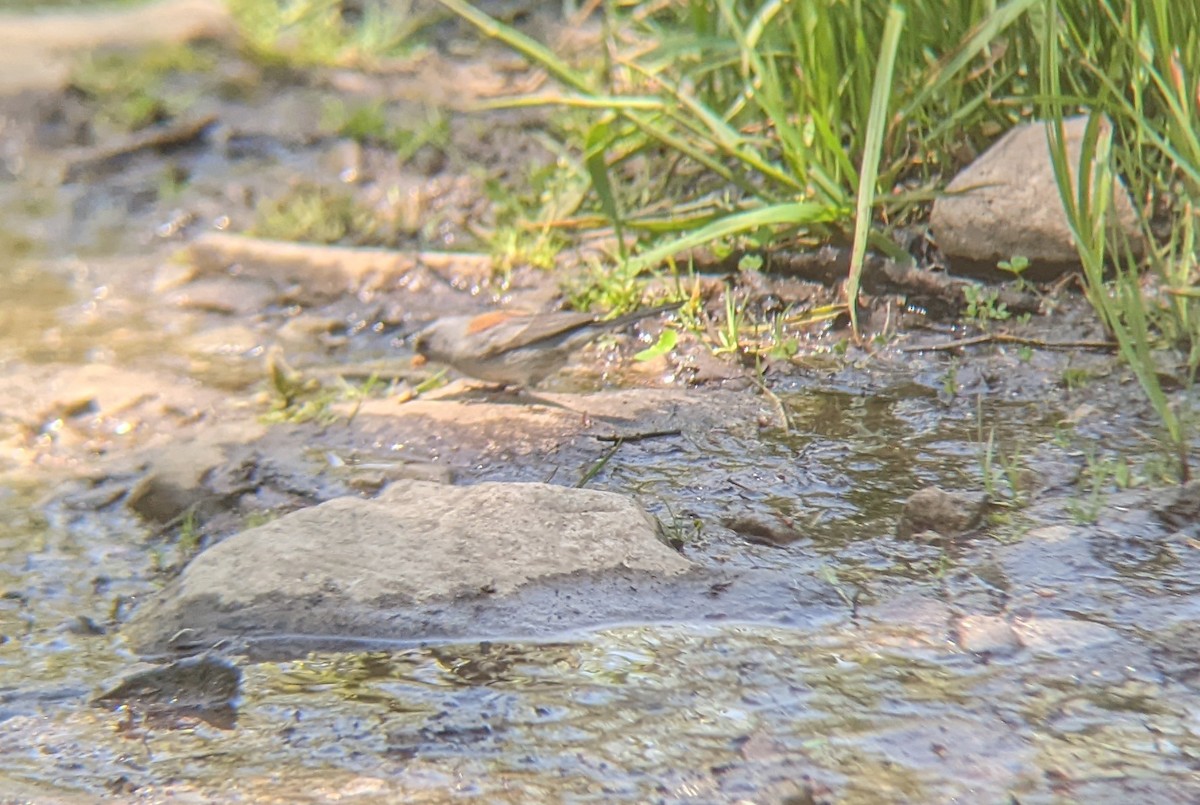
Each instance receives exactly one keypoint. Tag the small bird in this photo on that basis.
(512, 348)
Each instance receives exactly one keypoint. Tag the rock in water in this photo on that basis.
(358, 566)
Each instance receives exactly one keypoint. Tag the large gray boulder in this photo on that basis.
(354, 565)
(1006, 204)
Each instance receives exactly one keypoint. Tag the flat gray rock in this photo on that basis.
(418, 544)
(1006, 204)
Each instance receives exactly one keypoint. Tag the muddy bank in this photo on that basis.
(174, 391)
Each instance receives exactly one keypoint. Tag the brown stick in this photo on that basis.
(105, 159)
(1005, 338)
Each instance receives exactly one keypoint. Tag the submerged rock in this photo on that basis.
(202, 687)
(774, 531)
(174, 481)
(990, 635)
(947, 513)
(1179, 506)
(1049, 635)
(358, 565)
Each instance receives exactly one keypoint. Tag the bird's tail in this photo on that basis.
(638, 315)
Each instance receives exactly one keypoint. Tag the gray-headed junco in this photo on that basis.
(515, 349)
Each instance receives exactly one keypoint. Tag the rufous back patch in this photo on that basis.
(486, 321)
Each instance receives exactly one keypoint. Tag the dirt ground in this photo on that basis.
(165, 383)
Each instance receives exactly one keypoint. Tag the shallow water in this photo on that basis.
(870, 699)
(879, 705)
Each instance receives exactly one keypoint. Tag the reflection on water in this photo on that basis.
(31, 300)
(667, 713)
(882, 706)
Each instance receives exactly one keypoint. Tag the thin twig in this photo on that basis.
(108, 158)
(775, 401)
(637, 437)
(1005, 338)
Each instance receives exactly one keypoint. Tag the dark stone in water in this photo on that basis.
(203, 687)
(1179, 507)
(948, 513)
(762, 531)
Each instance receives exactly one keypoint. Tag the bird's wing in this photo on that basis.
(550, 326)
(539, 329)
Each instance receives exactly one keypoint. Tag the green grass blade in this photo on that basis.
(985, 32)
(796, 214)
(596, 160)
(532, 49)
(877, 122)
(604, 102)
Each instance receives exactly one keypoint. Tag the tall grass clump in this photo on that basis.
(1134, 67)
(776, 122)
(759, 114)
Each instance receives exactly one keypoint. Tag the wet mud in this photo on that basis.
(817, 653)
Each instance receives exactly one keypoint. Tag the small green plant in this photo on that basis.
(514, 246)
(314, 213)
(293, 397)
(130, 87)
(987, 466)
(950, 381)
(359, 394)
(750, 262)
(783, 347)
(431, 129)
(309, 213)
(435, 380)
(189, 536)
(1004, 476)
(158, 558)
(1105, 472)
(1085, 509)
(681, 531)
(830, 576)
(729, 335)
(1064, 435)
(983, 305)
(305, 33)
(665, 343)
(1016, 265)
(370, 124)
(364, 123)
(528, 218)
(172, 182)
(1095, 481)
(256, 519)
(1076, 377)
